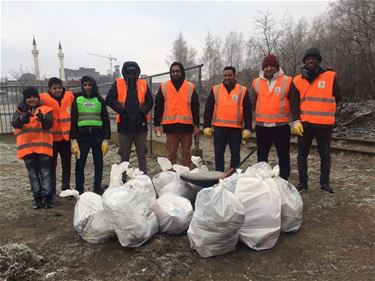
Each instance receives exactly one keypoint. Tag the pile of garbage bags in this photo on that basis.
(253, 207)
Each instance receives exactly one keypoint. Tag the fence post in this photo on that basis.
(152, 114)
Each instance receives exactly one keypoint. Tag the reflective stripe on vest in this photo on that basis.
(61, 114)
(274, 106)
(228, 110)
(317, 103)
(32, 138)
(89, 110)
(177, 104)
(122, 94)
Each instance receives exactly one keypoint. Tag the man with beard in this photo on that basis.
(313, 97)
(177, 109)
(131, 99)
(228, 110)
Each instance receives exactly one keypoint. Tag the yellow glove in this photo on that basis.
(246, 134)
(207, 132)
(74, 147)
(298, 128)
(157, 131)
(104, 147)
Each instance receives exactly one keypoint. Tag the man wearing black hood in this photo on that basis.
(131, 99)
(313, 97)
(90, 129)
(177, 109)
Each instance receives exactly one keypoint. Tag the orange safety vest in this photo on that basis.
(177, 104)
(228, 111)
(317, 103)
(61, 114)
(274, 106)
(32, 138)
(122, 92)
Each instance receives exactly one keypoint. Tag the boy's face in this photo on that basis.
(56, 90)
(32, 101)
(87, 87)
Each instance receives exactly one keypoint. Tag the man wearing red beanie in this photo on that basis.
(269, 96)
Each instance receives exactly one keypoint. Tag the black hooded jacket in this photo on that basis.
(105, 129)
(159, 107)
(132, 117)
(310, 76)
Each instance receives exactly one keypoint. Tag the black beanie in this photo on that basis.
(54, 80)
(30, 92)
(312, 52)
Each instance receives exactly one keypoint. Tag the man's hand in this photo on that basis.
(104, 147)
(246, 134)
(74, 147)
(157, 131)
(298, 128)
(207, 132)
(196, 130)
(40, 116)
(25, 117)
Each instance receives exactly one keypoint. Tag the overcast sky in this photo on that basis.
(140, 31)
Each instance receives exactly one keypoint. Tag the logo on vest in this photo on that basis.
(321, 84)
(234, 98)
(89, 104)
(277, 90)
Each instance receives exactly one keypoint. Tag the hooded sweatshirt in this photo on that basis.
(132, 117)
(159, 106)
(105, 129)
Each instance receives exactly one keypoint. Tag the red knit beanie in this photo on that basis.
(270, 60)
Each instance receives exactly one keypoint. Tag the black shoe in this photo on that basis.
(48, 204)
(327, 188)
(38, 204)
(98, 191)
(302, 187)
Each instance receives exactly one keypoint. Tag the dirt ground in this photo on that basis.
(336, 241)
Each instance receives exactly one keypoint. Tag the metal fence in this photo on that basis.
(10, 96)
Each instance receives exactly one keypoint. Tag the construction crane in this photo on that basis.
(110, 61)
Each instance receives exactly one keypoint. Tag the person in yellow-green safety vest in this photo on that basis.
(90, 129)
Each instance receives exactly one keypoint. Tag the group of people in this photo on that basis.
(60, 122)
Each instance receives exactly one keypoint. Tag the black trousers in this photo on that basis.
(280, 137)
(62, 148)
(222, 137)
(323, 137)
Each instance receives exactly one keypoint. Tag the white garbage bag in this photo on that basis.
(143, 184)
(216, 222)
(90, 219)
(291, 204)
(230, 182)
(178, 186)
(131, 215)
(262, 169)
(166, 176)
(116, 174)
(173, 212)
(262, 203)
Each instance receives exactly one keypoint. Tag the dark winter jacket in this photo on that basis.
(132, 117)
(105, 129)
(22, 107)
(159, 107)
(210, 106)
(310, 76)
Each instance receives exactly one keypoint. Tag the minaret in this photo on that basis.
(61, 58)
(35, 53)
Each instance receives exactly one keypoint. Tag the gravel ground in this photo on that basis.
(336, 241)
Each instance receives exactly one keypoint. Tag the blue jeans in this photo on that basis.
(223, 136)
(85, 144)
(39, 168)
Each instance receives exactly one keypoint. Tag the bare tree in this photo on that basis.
(212, 59)
(182, 52)
(233, 51)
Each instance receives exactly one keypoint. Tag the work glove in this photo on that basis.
(158, 131)
(246, 134)
(74, 147)
(40, 116)
(207, 132)
(298, 128)
(104, 147)
(25, 117)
